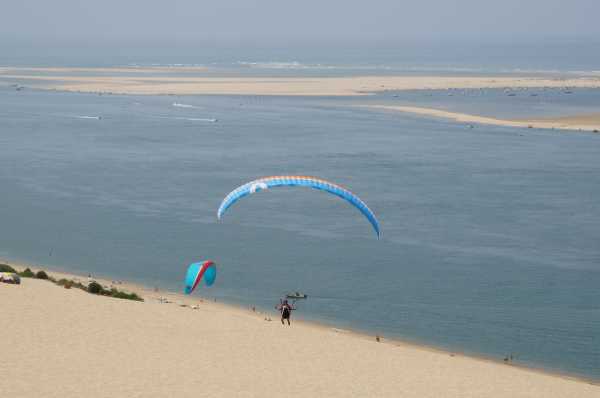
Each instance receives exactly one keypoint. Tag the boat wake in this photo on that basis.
(190, 119)
(188, 106)
(198, 119)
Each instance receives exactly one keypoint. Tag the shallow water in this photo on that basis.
(490, 235)
(528, 103)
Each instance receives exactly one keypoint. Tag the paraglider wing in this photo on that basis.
(197, 271)
(304, 181)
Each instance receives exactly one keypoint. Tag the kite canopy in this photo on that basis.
(197, 271)
(302, 181)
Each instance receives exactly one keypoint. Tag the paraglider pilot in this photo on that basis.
(286, 311)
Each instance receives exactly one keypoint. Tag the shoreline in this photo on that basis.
(587, 122)
(181, 300)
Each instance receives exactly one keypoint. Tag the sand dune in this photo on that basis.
(68, 343)
(590, 122)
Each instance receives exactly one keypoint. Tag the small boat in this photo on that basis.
(296, 296)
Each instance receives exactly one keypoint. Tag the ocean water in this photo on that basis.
(490, 236)
(324, 59)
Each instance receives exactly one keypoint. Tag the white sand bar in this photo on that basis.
(152, 81)
(68, 343)
(589, 122)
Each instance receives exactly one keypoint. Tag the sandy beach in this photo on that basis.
(65, 342)
(142, 81)
(589, 122)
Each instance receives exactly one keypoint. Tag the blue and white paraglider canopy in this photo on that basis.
(303, 181)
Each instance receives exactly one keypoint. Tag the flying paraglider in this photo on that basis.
(197, 271)
(303, 181)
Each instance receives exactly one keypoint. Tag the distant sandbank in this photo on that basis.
(167, 81)
(152, 81)
(60, 342)
(588, 122)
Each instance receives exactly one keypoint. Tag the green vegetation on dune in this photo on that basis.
(67, 284)
(41, 275)
(93, 288)
(96, 288)
(124, 295)
(7, 268)
(27, 273)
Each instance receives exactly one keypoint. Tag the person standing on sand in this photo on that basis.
(286, 311)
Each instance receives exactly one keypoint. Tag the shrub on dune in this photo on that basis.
(41, 275)
(27, 273)
(67, 284)
(78, 285)
(95, 288)
(7, 268)
(123, 295)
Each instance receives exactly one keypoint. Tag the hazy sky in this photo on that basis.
(279, 21)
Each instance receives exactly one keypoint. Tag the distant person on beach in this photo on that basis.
(286, 311)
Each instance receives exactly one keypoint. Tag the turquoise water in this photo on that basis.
(490, 235)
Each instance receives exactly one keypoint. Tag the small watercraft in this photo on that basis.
(296, 296)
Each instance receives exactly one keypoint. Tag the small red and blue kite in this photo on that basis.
(197, 271)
